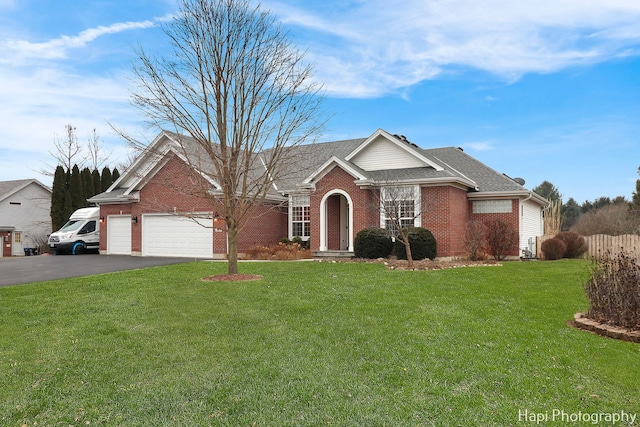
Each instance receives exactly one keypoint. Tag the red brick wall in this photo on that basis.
(512, 218)
(445, 212)
(176, 188)
(364, 213)
(268, 226)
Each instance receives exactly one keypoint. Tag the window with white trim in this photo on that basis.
(299, 208)
(399, 207)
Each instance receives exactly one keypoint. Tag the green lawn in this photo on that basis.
(310, 344)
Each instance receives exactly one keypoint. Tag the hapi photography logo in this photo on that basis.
(561, 416)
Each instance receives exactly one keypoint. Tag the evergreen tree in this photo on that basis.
(548, 191)
(87, 182)
(97, 186)
(76, 189)
(571, 212)
(68, 207)
(115, 174)
(106, 180)
(59, 188)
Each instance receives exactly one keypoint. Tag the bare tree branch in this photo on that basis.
(236, 89)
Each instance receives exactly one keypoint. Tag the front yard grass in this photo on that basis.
(310, 344)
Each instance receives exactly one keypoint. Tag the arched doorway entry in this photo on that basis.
(336, 222)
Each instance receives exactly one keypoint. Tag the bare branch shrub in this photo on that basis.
(501, 239)
(474, 240)
(614, 291)
(614, 220)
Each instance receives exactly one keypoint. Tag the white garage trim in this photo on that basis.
(177, 236)
(119, 235)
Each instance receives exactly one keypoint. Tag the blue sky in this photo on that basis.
(545, 92)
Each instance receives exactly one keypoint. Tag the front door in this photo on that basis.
(335, 222)
(5, 237)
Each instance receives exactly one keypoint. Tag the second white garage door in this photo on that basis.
(176, 236)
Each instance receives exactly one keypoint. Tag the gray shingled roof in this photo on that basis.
(487, 179)
(457, 166)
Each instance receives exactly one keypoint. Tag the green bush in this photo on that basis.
(421, 242)
(614, 291)
(553, 249)
(304, 244)
(372, 243)
(576, 245)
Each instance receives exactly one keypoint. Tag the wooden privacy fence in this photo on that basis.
(601, 243)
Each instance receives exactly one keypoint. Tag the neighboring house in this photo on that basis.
(331, 192)
(25, 220)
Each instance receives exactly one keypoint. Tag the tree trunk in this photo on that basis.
(232, 236)
(407, 248)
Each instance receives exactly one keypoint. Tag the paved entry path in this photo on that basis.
(28, 269)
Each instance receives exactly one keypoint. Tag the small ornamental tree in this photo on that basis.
(501, 238)
(421, 241)
(372, 243)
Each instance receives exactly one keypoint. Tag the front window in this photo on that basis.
(300, 217)
(399, 207)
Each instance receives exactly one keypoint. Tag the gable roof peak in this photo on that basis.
(385, 147)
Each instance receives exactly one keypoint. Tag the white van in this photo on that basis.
(79, 234)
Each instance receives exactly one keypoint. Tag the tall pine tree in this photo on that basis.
(59, 193)
(87, 182)
(97, 186)
(106, 179)
(76, 189)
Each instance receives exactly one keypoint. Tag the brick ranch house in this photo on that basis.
(329, 194)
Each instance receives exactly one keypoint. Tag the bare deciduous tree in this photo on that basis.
(236, 86)
(95, 149)
(398, 205)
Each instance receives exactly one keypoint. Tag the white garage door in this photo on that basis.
(119, 235)
(173, 235)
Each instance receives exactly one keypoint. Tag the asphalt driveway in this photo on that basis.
(19, 270)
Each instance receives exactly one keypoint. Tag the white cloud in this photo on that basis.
(42, 91)
(21, 50)
(377, 47)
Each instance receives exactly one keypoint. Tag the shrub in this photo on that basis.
(372, 243)
(281, 251)
(421, 241)
(474, 242)
(614, 291)
(615, 220)
(500, 238)
(576, 245)
(304, 244)
(553, 249)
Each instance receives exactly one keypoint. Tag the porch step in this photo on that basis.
(333, 254)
